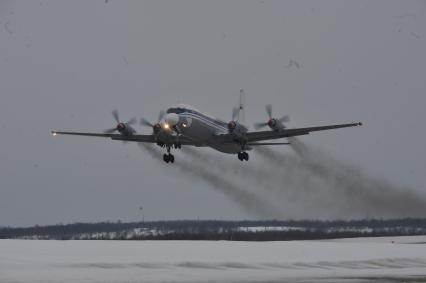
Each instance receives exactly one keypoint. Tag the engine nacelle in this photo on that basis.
(232, 125)
(238, 131)
(276, 124)
(156, 128)
(125, 129)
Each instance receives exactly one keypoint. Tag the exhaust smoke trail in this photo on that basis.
(286, 188)
(310, 184)
(267, 176)
(229, 168)
(248, 201)
(355, 194)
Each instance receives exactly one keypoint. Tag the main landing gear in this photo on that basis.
(176, 145)
(168, 157)
(243, 156)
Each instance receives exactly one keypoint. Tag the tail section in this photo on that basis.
(241, 107)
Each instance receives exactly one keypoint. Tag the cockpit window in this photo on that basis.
(175, 110)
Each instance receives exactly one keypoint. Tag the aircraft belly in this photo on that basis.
(226, 148)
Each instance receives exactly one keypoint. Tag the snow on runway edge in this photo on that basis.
(197, 261)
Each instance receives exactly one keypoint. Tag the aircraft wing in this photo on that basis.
(285, 133)
(132, 138)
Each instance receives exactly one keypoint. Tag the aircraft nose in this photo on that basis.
(172, 119)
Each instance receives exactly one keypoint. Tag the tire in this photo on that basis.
(246, 156)
(241, 156)
(172, 158)
(166, 158)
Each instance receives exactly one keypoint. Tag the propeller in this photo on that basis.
(233, 123)
(115, 115)
(161, 115)
(235, 114)
(272, 121)
(155, 127)
(120, 125)
(145, 122)
(268, 109)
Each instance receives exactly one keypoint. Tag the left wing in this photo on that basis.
(284, 133)
(132, 138)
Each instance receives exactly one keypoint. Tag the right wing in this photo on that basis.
(285, 133)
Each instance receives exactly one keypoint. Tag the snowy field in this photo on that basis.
(399, 259)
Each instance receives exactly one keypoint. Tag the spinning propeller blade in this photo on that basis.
(120, 125)
(268, 109)
(115, 115)
(272, 121)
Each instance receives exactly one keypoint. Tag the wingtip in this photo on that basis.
(54, 133)
(360, 123)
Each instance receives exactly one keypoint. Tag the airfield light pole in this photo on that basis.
(143, 216)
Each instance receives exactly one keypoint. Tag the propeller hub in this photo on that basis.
(156, 128)
(232, 125)
(120, 126)
(271, 122)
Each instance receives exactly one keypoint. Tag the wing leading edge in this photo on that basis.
(285, 133)
(130, 138)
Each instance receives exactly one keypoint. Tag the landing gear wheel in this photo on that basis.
(166, 158)
(245, 156)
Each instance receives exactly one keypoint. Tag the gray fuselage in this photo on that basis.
(203, 129)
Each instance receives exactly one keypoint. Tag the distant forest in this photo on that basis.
(272, 230)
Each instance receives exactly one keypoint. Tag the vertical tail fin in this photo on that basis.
(241, 107)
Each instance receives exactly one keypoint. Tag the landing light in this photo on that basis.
(54, 133)
(166, 126)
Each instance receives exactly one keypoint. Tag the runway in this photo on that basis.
(400, 259)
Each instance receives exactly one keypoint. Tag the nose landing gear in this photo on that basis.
(168, 157)
(243, 156)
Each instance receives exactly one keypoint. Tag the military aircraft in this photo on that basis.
(185, 125)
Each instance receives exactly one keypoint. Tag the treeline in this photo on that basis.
(271, 230)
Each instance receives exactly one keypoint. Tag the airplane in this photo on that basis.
(184, 125)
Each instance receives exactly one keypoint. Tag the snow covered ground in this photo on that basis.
(395, 259)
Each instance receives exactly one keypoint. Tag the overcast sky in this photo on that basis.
(66, 64)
